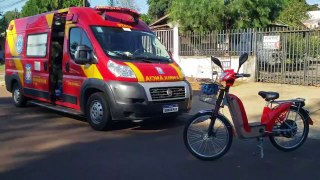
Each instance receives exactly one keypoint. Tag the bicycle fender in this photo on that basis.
(305, 113)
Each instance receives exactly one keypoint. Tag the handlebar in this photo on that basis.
(242, 75)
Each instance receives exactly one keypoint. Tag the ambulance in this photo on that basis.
(103, 63)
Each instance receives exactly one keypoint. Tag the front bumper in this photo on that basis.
(132, 101)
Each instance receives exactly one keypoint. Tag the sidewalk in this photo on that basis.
(2, 78)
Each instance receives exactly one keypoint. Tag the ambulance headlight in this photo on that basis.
(120, 70)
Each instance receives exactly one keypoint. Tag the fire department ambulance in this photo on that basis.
(103, 63)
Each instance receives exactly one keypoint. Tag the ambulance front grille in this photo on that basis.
(166, 93)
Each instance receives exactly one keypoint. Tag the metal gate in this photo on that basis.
(166, 38)
(288, 56)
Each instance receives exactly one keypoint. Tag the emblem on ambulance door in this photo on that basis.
(28, 74)
(19, 44)
(160, 71)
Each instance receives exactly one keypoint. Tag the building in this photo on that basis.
(314, 20)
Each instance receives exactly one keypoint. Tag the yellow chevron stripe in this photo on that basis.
(178, 71)
(136, 71)
(20, 70)
(11, 39)
(91, 71)
(49, 18)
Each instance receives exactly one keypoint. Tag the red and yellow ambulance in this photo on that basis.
(103, 62)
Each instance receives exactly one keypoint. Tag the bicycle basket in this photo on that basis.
(209, 92)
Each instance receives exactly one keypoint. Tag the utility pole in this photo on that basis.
(60, 4)
(84, 3)
(16, 13)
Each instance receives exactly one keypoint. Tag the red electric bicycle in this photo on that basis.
(208, 134)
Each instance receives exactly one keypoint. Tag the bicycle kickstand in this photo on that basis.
(260, 146)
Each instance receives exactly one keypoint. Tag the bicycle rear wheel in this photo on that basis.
(200, 144)
(291, 133)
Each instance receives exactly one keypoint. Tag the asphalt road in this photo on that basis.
(36, 143)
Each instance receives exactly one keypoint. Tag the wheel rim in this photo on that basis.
(16, 95)
(201, 144)
(96, 112)
(296, 129)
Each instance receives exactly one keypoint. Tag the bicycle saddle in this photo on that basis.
(268, 96)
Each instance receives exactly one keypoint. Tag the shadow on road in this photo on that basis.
(162, 156)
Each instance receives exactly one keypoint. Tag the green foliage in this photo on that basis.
(314, 7)
(146, 18)
(129, 4)
(209, 15)
(303, 45)
(33, 7)
(158, 8)
(294, 12)
(6, 18)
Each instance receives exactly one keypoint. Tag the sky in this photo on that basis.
(7, 5)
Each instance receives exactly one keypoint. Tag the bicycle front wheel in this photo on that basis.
(206, 147)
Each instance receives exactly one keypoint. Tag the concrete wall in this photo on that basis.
(201, 66)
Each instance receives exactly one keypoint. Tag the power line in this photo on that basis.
(9, 5)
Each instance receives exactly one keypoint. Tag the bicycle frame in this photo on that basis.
(276, 122)
(242, 128)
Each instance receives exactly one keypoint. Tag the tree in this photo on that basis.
(146, 18)
(209, 15)
(33, 7)
(314, 7)
(129, 4)
(294, 12)
(6, 18)
(158, 8)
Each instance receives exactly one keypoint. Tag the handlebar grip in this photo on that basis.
(246, 75)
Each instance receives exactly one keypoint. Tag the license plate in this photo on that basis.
(170, 108)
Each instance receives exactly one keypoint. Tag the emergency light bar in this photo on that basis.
(131, 12)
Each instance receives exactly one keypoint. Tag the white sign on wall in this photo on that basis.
(271, 42)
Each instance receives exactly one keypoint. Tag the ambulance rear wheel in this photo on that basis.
(98, 112)
(18, 99)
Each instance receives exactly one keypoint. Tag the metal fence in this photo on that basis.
(284, 55)
(293, 59)
(216, 43)
(166, 38)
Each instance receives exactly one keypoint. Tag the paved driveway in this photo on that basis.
(36, 143)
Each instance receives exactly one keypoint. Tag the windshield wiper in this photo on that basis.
(122, 55)
(151, 59)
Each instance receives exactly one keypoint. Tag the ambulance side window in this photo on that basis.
(77, 37)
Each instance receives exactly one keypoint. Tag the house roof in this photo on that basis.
(314, 14)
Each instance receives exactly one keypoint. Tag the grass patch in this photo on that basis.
(1, 67)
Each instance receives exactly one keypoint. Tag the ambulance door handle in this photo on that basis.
(45, 65)
(67, 67)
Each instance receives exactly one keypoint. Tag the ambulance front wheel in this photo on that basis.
(98, 112)
(18, 99)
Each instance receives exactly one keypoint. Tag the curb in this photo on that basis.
(2, 79)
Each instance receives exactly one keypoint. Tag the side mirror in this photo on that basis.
(243, 58)
(216, 61)
(83, 55)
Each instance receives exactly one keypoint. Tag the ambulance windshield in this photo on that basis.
(133, 45)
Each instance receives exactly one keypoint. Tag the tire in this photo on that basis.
(295, 137)
(197, 141)
(17, 97)
(98, 112)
